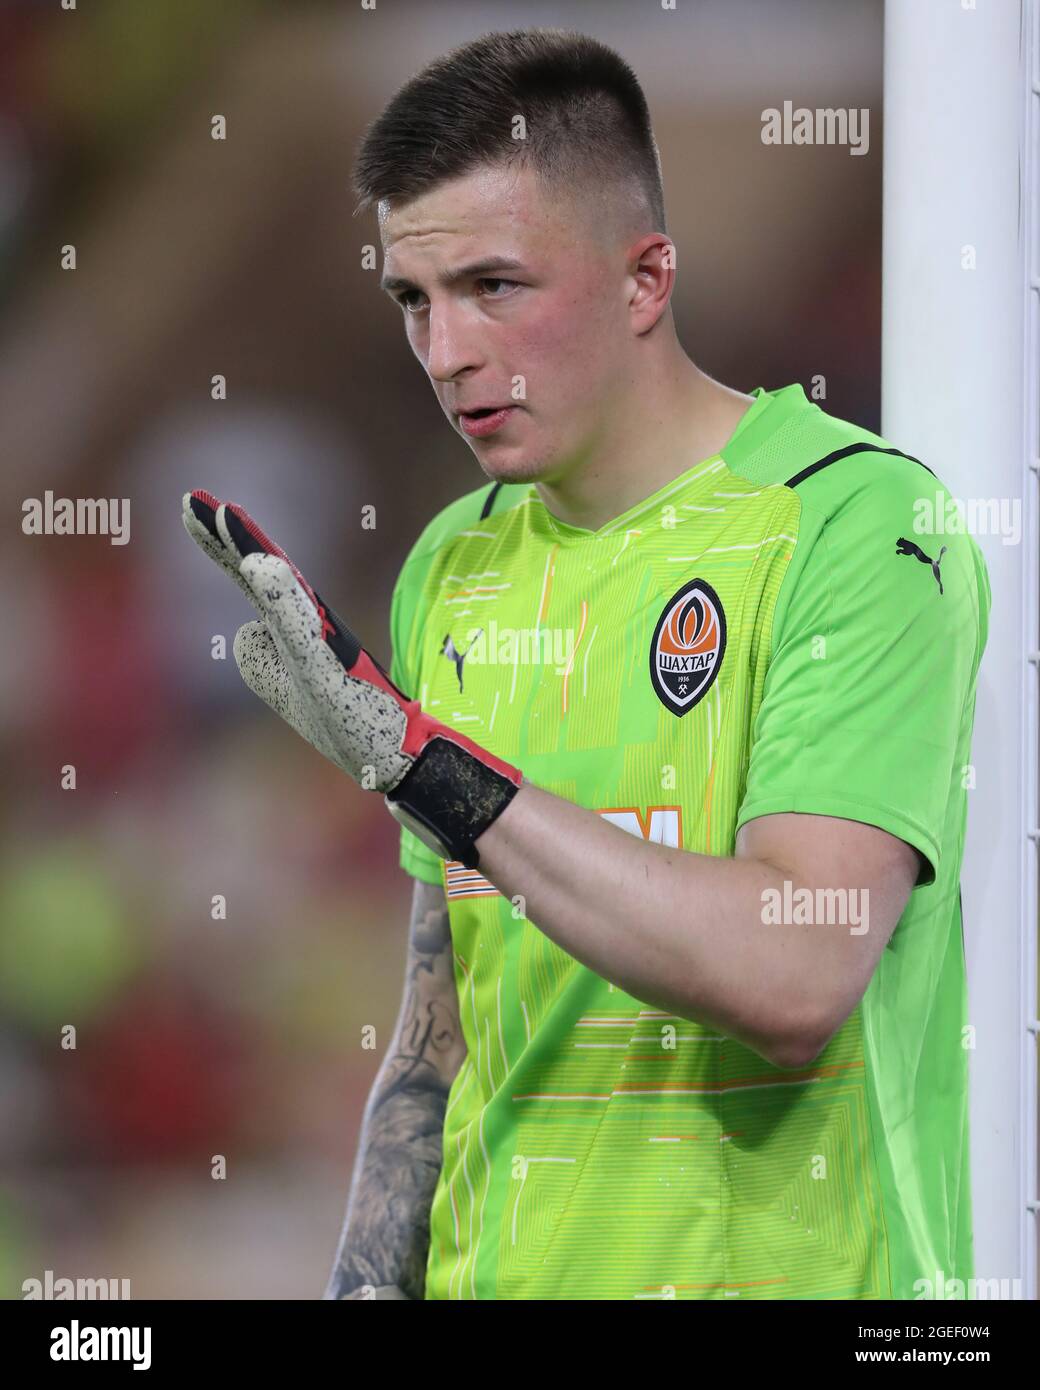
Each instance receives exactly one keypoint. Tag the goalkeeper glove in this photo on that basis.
(313, 672)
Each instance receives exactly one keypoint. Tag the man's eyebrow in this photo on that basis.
(488, 266)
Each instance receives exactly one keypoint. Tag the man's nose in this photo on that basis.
(453, 346)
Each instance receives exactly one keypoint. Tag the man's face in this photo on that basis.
(543, 336)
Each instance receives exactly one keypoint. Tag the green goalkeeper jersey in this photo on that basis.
(791, 625)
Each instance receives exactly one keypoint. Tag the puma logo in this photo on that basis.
(905, 547)
(449, 649)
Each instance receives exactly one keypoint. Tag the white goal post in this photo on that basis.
(961, 390)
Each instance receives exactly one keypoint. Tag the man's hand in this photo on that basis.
(313, 672)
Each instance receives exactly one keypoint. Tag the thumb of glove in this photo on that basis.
(263, 671)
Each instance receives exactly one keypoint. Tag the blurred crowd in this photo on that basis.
(240, 1035)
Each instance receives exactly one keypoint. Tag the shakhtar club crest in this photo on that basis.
(688, 646)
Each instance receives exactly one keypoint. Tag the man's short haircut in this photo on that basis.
(587, 123)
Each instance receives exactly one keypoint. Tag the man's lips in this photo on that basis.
(480, 420)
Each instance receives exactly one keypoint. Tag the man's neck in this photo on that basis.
(690, 418)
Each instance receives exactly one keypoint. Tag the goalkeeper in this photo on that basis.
(675, 730)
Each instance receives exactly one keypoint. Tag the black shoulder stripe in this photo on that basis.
(844, 453)
(489, 501)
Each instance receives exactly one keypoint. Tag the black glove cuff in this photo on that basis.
(454, 796)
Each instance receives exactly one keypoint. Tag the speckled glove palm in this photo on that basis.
(313, 672)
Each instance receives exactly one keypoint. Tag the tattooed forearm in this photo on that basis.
(386, 1236)
(385, 1239)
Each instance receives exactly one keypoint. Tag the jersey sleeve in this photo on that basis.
(869, 694)
(415, 858)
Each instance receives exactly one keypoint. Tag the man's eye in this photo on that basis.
(403, 300)
(492, 287)
(510, 284)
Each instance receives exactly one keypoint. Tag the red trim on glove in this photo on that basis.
(421, 727)
(270, 546)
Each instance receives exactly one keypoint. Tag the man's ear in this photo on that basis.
(651, 262)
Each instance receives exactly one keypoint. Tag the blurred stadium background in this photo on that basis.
(242, 1037)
